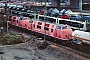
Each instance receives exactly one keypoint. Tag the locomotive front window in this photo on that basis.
(58, 27)
(64, 27)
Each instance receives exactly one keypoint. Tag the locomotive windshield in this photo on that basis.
(61, 27)
(64, 27)
(58, 27)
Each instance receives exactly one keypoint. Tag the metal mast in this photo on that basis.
(45, 13)
(6, 17)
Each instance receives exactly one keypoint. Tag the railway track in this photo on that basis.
(82, 50)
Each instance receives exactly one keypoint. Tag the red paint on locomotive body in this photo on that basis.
(61, 32)
(24, 21)
(13, 20)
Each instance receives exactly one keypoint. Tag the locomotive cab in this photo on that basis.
(13, 20)
(64, 33)
(24, 21)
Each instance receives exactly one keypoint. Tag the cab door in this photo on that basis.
(13, 20)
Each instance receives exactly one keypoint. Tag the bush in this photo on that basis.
(11, 39)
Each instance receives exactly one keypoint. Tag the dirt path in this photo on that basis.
(26, 51)
(29, 51)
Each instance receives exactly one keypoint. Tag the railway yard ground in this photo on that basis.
(29, 50)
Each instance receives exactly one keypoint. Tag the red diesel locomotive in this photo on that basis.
(58, 31)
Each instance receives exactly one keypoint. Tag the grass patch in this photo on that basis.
(10, 39)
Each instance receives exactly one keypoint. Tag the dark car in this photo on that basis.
(75, 17)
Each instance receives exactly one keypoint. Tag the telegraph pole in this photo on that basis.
(43, 44)
(45, 13)
(6, 17)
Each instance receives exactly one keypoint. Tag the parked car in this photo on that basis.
(18, 10)
(75, 17)
(85, 18)
(66, 16)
